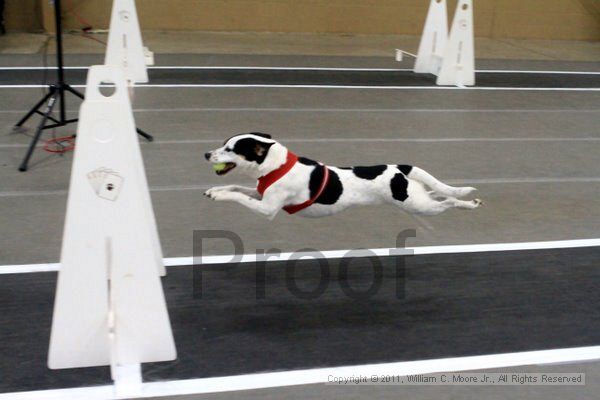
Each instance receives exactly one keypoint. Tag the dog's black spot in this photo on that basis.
(405, 169)
(344, 167)
(369, 173)
(307, 161)
(252, 149)
(399, 184)
(333, 190)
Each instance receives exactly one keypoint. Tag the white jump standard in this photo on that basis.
(125, 47)
(450, 57)
(109, 307)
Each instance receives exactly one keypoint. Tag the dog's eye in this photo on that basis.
(227, 149)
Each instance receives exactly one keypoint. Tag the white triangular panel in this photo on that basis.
(458, 66)
(433, 39)
(125, 47)
(108, 284)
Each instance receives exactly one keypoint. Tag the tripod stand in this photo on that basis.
(56, 93)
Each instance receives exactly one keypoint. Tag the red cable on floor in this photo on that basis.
(60, 144)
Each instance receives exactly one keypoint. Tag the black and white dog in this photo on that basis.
(303, 186)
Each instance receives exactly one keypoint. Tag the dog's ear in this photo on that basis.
(252, 149)
(261, 149)
(265, 135)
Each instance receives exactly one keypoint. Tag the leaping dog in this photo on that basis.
(308, 188)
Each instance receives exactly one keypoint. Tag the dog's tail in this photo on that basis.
(436, 185)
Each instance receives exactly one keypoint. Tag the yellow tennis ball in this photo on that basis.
(219, 167)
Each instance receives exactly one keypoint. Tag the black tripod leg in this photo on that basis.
(38, 132)
(75, 92)
(35, 108)
(145, 135)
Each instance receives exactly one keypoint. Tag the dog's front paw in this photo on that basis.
(212, 191)
(209, 193)
(219, 195)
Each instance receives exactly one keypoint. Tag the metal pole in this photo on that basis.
(59, 59)
(38, 132)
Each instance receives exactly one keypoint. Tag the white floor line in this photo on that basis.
(335, 254)
(351, 87)
(33, 193)
(29, 268)
(225, 68)
(322, 375)
(361, 110)
(183, 188)
(398, 140)
(504, 71)
(524, 180)
(246, 68)
(365, 87)
(340, 110)
(216, 67)
(361, 140)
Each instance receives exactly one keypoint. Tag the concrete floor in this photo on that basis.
(535, 157)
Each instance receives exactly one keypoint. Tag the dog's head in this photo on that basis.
(253, 153)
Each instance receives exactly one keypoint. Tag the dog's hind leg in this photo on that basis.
(433, 207)
(412, 196)
(436, 185)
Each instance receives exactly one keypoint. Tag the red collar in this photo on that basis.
(265, 181)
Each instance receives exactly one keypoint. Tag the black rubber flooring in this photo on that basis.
(247, 318)
(313, 77)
